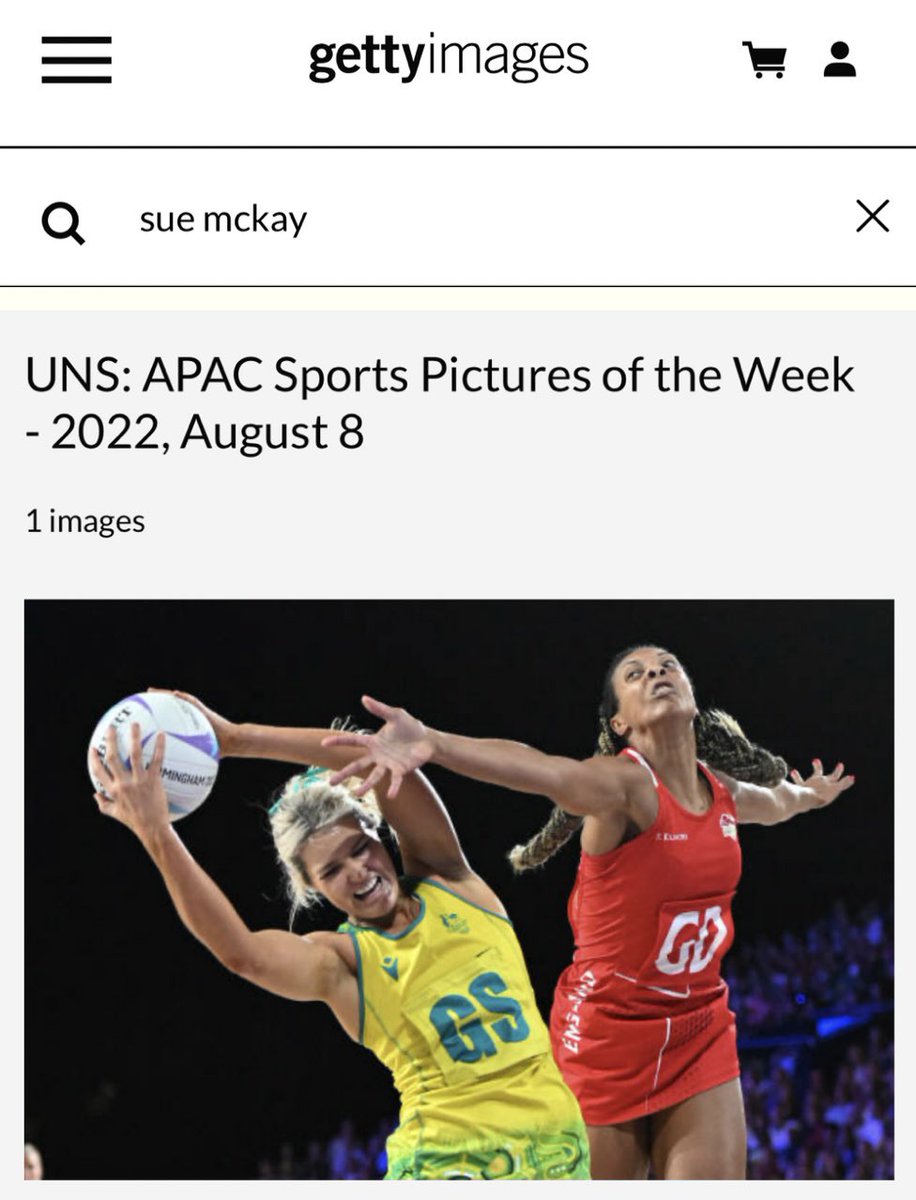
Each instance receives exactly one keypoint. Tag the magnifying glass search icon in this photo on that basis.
(72, 226)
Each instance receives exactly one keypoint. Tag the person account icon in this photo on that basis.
(839, 69)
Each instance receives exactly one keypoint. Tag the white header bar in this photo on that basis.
(285, 73)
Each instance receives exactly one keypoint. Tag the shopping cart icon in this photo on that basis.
(766, 59)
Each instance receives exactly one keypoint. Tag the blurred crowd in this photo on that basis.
(808, 1122)
(345, 1156)
(837, 964)
(816, 1109)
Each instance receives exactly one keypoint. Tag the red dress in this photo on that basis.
(640, 1018)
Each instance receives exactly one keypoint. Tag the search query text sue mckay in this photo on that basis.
(61, 220)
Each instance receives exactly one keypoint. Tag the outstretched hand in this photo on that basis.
(826, 788)
(402, 745)
(227, 732)
(132, 794)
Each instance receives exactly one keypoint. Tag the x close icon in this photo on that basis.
(873, 216)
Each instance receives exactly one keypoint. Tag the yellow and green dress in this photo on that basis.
(447, 1006)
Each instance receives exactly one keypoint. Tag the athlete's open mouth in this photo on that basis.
(370, 889)
(662, 688)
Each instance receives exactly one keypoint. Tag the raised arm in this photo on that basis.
(426, 837)
(758, 805)
(591, 787)
(245, 739)
(294, 967)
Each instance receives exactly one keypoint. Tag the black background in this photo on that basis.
(144, 1058)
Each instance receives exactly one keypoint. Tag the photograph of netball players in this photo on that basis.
(144, 1058)
(640, 1024)
(426, 971)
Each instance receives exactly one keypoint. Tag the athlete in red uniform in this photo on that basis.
(640, 1018)
(640, 1024)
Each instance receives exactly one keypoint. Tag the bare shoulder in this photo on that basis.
(619, 767)
(341, 973)
(473, 889)
(732, 786)
(339, 944)
(604, 783)
(755, 804)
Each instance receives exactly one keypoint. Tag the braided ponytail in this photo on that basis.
(556, 832)
(560, 825)
(721, 744)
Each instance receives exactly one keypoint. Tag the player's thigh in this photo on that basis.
(704, 1137)
(620, 1151)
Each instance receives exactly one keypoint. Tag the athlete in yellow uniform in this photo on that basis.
(447, 1006)
(426, 973)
